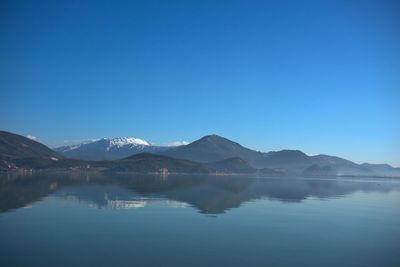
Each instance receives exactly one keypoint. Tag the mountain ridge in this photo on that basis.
(17, 146)
(212, 148)
(211, 152)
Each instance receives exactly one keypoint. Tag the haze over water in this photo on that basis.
(125, 220)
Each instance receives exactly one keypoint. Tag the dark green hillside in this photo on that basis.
(317, 170)
(232, 165)
(270, 172)
(147, 163)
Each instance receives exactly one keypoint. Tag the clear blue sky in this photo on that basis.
(320, 76)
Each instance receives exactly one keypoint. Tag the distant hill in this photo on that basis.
(212, 148)
(288, 160)
(381, 169)
(297, 162)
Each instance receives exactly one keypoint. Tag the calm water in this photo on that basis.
(122, 220)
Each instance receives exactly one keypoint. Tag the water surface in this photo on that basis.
(125, 220)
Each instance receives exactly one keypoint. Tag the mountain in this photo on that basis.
(209, 154)
(382, 169)
(341, 166)
(288, 160)
(291, 162)
(151, 163)
(18, 146)
(21, 153)
(216, 148)
(297, 162)
(109, 149)
(14, 147)
(212, 148)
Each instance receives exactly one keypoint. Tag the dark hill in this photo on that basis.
(15, 149)
(151, 163)
(232, 165)
(17, 146)
(212, 148)
(318, 170)
(283, 159)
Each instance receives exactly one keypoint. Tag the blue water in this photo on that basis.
(122, 220)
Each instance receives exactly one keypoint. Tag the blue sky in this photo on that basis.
(320, 76)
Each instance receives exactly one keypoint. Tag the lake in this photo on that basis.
(124, 220)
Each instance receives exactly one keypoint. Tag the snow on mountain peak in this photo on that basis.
(123, 141)
(109, 143)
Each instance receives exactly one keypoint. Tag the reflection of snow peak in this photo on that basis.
(141, 203)
(176, 204)
(109, 202)
(126, 204)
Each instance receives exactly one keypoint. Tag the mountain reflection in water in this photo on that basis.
(208, 194)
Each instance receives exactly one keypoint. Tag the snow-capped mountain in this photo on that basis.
(108, 148)
(125, 141)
